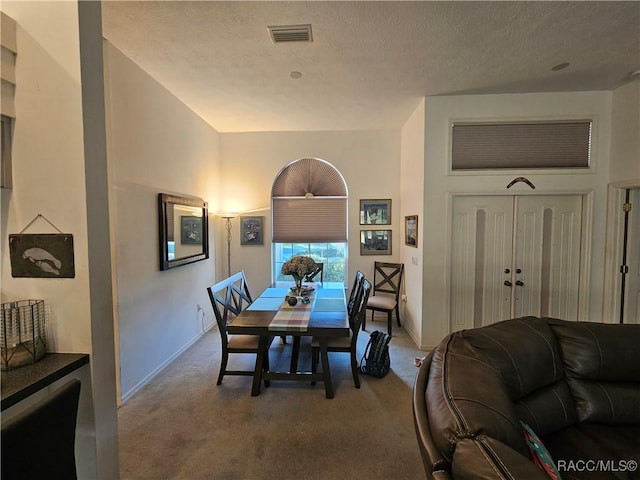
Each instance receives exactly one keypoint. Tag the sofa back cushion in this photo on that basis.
(600, 361)
(525, 352)
(484, 381)
(465, 397)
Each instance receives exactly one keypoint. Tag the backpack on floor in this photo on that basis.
(376, 361)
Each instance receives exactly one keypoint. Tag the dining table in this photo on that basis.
(270, 314)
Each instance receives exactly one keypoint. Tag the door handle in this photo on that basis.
(519, 283)
(507, 283)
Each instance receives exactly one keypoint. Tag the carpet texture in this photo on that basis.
(182, 426)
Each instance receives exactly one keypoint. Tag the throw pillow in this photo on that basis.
(539, 454)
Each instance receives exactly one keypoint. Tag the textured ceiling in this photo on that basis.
(369, 62)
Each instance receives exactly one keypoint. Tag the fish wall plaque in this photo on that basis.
(42, 255)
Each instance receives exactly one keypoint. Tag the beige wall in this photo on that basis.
(625, 134)
(156, 144)
(411, 193)
(368, 160)
(49, 177)
(48, 164)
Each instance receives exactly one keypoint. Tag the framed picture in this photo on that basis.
(375, 212)
(46, 255)
(251, 230)
(191, 228)
(411, 230)
(375, 242)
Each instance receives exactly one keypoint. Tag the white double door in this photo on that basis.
(513, 256)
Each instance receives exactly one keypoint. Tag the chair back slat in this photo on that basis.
(357, 284)
(356, 317)
(228, 298)
(318, 271)
(387, 278)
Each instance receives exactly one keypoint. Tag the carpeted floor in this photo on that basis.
(182, 426)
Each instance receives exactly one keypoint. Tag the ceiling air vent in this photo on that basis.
(290, 33)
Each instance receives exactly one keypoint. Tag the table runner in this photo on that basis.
(293, 317)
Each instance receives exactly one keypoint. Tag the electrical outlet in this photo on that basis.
(404, 297)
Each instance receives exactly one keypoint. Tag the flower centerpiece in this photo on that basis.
(299, 267)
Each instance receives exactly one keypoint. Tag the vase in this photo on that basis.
(298, 280)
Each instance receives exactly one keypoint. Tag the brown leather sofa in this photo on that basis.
(575, 384)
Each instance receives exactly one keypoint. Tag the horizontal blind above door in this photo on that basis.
(314, 220)
(485, 146)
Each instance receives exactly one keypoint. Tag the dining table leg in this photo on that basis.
(295, 353)
(326, 372)
(257, 372)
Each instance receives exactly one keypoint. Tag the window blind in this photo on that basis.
(309, 203)
(521, 145)
(314, 220)
(7, 64)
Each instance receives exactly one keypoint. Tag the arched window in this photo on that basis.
(309, 208)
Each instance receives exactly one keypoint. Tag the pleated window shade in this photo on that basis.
(309, 203)
(521, 145)
(8, 53)
(314, 220)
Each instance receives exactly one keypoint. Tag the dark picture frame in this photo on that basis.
(46, 255)
(191, 230)
(375, 242)
(173, 252)
(375, 212)
(411, 231)
(252, 230)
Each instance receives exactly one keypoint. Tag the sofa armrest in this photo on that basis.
(483, 457)
(435, 465)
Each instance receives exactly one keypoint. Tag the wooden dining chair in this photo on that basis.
(228, 298)
(40, 441)
(347, 344)
(318, 271)
(357, 284)
(387, 280)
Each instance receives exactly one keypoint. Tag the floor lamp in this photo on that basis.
(228, 217)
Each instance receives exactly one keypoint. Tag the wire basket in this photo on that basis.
(22, 333)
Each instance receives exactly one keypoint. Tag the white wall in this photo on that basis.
(411, 194)
(439, 185)
(368, 160)
(625, 134)
(156, 144)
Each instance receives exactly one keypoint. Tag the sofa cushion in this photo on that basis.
(483, 458)
(548, 409)
(602, 371)
(596, 451)
(465, 398)
(523, 350)
(525, 353)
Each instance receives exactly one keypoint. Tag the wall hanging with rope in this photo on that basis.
(41, 255)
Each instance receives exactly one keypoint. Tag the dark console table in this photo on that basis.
(19, 383)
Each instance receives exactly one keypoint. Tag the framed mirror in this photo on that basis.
(184, 230)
